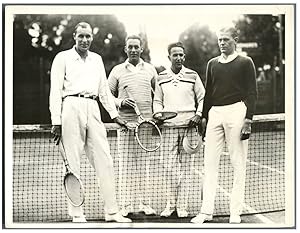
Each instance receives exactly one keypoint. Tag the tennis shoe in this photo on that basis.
(182, 213)
(146, 209)
(201, 218)
(79, 219)
(167, 212)
(126, 210)
(117, 217)
(235, 219)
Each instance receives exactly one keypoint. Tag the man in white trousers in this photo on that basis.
(179, 89)
(78, 78)
(229, 105)
(134, 163)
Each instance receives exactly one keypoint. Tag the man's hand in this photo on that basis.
(202, 127)
(128, 103)
(194, 121)
(56, 131)
(121, 122)
(246, 129)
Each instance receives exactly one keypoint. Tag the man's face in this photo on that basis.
(177, 57)
(133, 49)
(83, 39)
(226, 43)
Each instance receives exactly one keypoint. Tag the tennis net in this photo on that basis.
(38, 171)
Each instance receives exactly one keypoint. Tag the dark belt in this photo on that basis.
(93, 97)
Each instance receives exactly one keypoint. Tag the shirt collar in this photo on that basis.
(76, 56)
(180, 74)
(229, 58)
(128, 64)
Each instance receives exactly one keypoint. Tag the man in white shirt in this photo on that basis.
(138, 76)
(77, 79)
(178, 89)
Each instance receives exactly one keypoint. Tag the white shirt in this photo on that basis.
(70, 75)
(229, 58)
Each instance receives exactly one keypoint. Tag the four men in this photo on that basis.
(78, 78)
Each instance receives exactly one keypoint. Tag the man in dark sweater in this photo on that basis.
(229, 105)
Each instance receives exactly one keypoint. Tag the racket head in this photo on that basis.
(164, 115)
(74, 189)
(192, 141)
(148, 136)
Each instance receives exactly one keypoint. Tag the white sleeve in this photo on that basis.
(113, 85)
(105, 95)
(199, 92)
(57, 76)
(158, 98)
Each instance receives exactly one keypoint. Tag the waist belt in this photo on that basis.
(93, 97)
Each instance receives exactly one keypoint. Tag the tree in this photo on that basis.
(200, 46)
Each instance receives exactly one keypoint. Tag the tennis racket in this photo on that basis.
(146, 132)
(188, 146)
(72, 184)
(164, 115)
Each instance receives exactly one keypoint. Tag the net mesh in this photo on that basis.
(38, 172)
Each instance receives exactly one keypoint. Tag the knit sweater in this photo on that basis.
(183, 92)
(228, 83)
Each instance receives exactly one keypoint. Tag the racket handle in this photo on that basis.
(137, 111)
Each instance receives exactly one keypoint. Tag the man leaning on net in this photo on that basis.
(229, 105)
(77, 79)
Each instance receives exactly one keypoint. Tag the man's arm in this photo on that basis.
(158, 98)
(199, 93)
(113, 86)
(251, 87)
(208, 89)
(105, 94)
(57, 76)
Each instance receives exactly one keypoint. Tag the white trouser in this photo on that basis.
(225, 123)
(134, 171)
(177, 168)
(177, 163)
(82, 129)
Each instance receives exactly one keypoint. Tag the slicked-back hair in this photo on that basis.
(82, 25)
(232, 30)
(176, 44)
(135, 37)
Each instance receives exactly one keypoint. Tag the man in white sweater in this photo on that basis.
(178, 89)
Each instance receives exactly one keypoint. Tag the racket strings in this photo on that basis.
(74, 189)
(148, 136)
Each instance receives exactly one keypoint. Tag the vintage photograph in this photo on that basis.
(149, 116)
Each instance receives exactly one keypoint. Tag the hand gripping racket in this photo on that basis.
(164, 115)
(191, 132)
(72, 184)
(147, 133)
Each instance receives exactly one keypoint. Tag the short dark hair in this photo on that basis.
(83, 25)
(134, 37)
(176, 44)
(232, 30)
